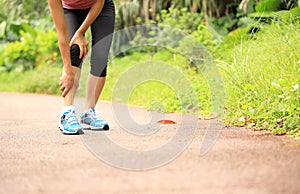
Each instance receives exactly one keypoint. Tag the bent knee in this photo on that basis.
(75, 56)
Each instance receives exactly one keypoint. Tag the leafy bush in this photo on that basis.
(205, 37)
(181, 32)
(180, 19)
(26, 9)
(224, 24)
(174, 23)
(268, 6)
(23, 15)
(34, 48)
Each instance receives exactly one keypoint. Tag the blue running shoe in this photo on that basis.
(89, 120)
(69, 123)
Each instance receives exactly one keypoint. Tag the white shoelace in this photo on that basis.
(71, 118)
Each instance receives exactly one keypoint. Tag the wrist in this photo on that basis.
(68, 69)
(80, 32)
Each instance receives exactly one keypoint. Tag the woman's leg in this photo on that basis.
(93, 90)
(74, 19)
(102, 32)
(69, 98)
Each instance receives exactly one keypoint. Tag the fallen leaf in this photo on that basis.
(166, 122)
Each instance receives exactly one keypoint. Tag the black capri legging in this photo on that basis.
(102, 32)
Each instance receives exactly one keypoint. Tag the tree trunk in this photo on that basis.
(146, 10)
(204, 9)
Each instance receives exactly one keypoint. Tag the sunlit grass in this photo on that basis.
(262, 77)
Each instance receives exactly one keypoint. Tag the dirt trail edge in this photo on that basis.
(36, 158)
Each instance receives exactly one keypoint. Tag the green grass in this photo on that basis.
(43, 79)
(9, 82)
(154, 94)
(262, 77)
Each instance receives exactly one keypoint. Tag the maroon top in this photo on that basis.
(77, 4)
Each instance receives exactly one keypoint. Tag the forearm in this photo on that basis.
(92, 15)
(63, 43)
(57, 13)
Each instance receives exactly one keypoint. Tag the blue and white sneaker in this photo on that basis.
(89, 120)
(69, 123)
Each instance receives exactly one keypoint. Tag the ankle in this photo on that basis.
(67, 108)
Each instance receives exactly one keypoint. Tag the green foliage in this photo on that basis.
(127, 14)
(262, 80)
(232, 21)
(10, 81)
(25, 9)
(175, 24)
(292, 15)
(180, 19)
(158, 96)
(268, 5)
(224, 24)
(22, 15)
(34, 48)
(11, 31)
(172, 21)
(43, 79)
(232, 40)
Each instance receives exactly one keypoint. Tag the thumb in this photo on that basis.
(81, 51)
(71, 41)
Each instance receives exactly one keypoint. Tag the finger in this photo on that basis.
(62, 88)
(65, 92)
(87, 48)
(85, 51)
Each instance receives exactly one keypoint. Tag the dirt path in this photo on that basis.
(36, 158)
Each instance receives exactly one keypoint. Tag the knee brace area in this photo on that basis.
(75, 54)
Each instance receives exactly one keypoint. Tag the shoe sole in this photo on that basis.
(68, 132)
(89, 127)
